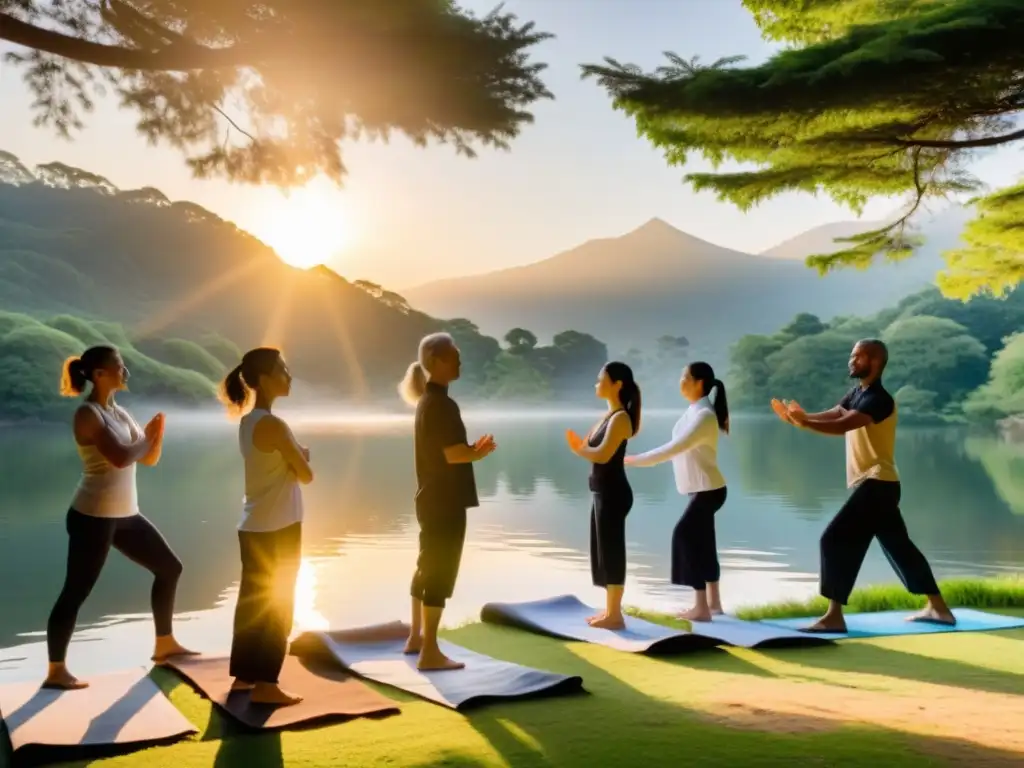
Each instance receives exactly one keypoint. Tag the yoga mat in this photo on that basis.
(894, 623)
(122, 709)
(754, 634)
(327, 693)
(376, 653)
(565, 617)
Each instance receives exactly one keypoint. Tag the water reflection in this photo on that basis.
(528, 539)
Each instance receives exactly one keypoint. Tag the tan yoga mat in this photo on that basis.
(124, 708)
(327, 692)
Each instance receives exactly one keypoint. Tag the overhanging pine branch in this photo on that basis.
(175, 57)
(988, 141)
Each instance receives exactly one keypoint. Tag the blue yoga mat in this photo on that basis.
(886, 623)
(376, 653)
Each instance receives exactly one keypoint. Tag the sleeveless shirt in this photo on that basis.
(612, 474)
(273, 498)
(105, 490)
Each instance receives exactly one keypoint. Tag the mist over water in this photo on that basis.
(528, 539)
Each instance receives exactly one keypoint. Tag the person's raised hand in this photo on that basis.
(794, 407)
(155, 428)
(575, 441)
(780, 409)
(485, 446)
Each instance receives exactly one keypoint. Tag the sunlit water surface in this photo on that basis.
(527, 540)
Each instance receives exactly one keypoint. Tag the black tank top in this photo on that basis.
(612, 474)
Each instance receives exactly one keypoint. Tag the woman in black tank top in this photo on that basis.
(605, 448)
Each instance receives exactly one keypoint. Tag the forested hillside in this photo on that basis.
(949, 360)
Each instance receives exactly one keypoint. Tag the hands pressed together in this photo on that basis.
(154, 430)
(789, 411)
(484, 446)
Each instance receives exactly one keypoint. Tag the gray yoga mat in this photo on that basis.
(753, 634)
(376, 653)
(565, 616)
(116, 713)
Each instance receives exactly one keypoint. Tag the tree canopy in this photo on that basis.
(869, 98)
(263, 92)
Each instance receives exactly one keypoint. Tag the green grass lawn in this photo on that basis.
(941, 699)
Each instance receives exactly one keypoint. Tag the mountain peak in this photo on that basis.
(654, 226)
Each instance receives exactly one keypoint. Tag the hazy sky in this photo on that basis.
(411, 215)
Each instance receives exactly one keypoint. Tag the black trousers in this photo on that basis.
(872, 510)
(266, 602)
(442, 537)
(694, 547)
(608, 515)
(89, 541)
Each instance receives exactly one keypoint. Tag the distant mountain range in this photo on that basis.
(657, 280)
(72, 243)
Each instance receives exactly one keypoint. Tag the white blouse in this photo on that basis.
(693, 450)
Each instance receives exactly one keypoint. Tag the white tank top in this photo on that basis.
(105, 490)
(273, 497)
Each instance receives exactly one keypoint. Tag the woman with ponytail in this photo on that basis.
(270, 532)
(605, 448)
(104, 512)
(693, 451)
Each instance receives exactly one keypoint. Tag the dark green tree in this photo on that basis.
(1003, 394)
(869, 98)
(520, 341)
(287, 80)
(936, 355)
(749, 372)
(804, 324)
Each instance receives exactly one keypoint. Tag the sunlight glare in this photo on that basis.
(307, 617)
(306, 227)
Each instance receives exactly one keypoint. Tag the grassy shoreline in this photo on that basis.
(946, 699)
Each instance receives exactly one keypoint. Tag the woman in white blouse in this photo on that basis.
(693, 451)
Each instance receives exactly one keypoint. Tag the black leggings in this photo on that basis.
(266, 602)
(694, 548)
(608, 535)
(89, 540)
(873, 510)
(442, 537)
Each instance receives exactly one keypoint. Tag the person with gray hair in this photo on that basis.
(446, 488)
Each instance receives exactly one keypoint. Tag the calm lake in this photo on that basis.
(527, 540)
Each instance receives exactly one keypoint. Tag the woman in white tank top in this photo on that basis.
(270, 532)
(104, 512)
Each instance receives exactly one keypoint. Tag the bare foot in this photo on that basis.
(168, 649)
(827, 624)
(696, 614)
(609, 622)
(269, 693)
(596, 617)
(437, 662)
(931, 615)
(716, 610)
(413, 645)
(64, 681)
(242, 685)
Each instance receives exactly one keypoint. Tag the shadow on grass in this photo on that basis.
(620, 725)
(866, 658)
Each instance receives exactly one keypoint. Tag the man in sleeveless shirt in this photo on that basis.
(867, 418)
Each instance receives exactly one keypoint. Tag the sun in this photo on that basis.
(307, 226)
